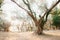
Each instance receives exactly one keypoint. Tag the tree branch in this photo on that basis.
(51, 8)
(28, 5)
(19, 5)
(30, 13)
(47, 12)
(25, 2)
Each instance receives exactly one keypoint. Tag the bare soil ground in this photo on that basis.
(49, 35)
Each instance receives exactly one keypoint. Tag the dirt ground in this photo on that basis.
(49, 35)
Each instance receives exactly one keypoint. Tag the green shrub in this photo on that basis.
(56, 21)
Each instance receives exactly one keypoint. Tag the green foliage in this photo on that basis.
(55, 12)
(56, 20)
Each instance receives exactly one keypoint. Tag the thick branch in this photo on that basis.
(28, 5)
(29, 13)
(50, 8)
(25, 2)
(19, 5)
(34, 19)
(47, 12)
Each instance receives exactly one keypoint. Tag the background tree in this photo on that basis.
(56, 21)
(38, 23)
(56, 17)
(0, 14)
(3, 23)
(1, 2)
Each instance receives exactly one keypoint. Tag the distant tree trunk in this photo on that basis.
(6, 26)
(6, 29)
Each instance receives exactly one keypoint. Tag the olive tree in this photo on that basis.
(38, 23)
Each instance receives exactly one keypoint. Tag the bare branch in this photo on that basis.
(25, 2)
(46, 6)
(50, 8)
(59, 0)
(40, 16)
(28, 5)
(32, 16)
(47, 12)
(19, 5)
(29, 13)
